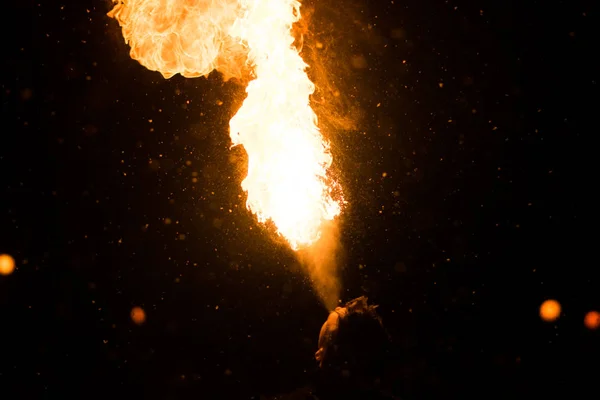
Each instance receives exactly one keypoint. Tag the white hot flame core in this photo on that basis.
(288, 158)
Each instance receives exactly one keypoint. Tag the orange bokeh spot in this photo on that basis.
(550, 310)
(7, 264)
(592, 320)
(138, 315)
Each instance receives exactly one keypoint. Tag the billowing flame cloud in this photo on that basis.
(288, 158)
(187, 37)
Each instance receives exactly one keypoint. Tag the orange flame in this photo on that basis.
(288, 158)
(187, 37)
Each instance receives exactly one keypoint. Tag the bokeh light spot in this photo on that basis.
(550, 310)
(7, 264)
(592, 320)
(138, 315)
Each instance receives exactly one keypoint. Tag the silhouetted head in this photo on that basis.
(353, 346)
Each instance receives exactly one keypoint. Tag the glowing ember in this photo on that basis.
(550, 310)
(7, 264)
(288, 158)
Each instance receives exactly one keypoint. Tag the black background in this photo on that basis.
(486, 209)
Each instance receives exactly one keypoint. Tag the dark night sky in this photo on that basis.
(477, 112)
